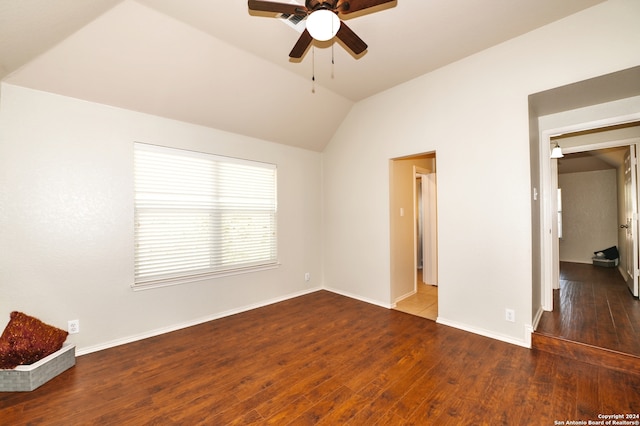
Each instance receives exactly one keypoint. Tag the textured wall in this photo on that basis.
(590, 214)
(66, 220)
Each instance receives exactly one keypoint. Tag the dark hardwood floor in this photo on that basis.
(594, 306)
(323, 359)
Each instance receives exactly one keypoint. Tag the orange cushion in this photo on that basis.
(26, 340)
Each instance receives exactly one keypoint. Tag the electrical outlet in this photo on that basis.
(307, 276)
(73, 326)
(510, 315)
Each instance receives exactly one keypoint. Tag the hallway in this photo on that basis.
(594, 306)
(424, 303)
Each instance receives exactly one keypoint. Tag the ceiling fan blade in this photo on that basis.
(350, 6)
(301, 45)
(351, 39)
(268, 6)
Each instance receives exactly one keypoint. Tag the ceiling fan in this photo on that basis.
(326, 15)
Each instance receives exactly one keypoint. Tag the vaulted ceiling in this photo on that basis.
(213, 63)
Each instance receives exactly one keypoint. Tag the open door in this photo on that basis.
(631, 215)
(429, 227)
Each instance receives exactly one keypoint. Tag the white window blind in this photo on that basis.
(199, 215)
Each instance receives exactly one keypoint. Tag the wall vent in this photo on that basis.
(294, 21)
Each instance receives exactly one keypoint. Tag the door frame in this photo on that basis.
(417, 171)
(550, 258)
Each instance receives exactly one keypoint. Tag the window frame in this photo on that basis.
(204, 205)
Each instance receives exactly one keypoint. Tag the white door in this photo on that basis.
(631, 215)
(429, 234)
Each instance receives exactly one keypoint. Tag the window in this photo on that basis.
(199, 215)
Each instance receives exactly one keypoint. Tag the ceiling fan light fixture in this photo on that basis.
(323, 24)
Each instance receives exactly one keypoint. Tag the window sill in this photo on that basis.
(166, 282)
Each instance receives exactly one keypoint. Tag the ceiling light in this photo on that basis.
(323, 24)
(556, 152)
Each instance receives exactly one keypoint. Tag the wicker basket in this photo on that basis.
(29, 377)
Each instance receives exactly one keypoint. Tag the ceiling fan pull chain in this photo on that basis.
(332, 60)
(313, 69)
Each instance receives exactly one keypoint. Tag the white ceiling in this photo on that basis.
(589, 161)
(212, 63)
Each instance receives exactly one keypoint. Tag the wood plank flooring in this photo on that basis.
(328, 360)
(594, 306)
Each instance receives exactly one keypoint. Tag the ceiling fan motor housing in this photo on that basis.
(338, 29)
(333, 5)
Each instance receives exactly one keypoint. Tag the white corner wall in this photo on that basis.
(66, 220)
(474, 115)
(589, 214)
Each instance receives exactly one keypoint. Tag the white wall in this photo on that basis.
(66, 220)
(474, 115)
(589, 214)
(66, 213)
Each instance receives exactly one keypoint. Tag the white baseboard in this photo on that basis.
(536, 319)
(624, 274)
(175, 327)
(525, 342)
(583, 261)
(360, 298)
(401, 298)
(528, 331)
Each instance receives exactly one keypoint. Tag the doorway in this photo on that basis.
(413, 212)
(606, 100)
(613, 132)
(598, 210)
(591, 206)
(593, 151)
